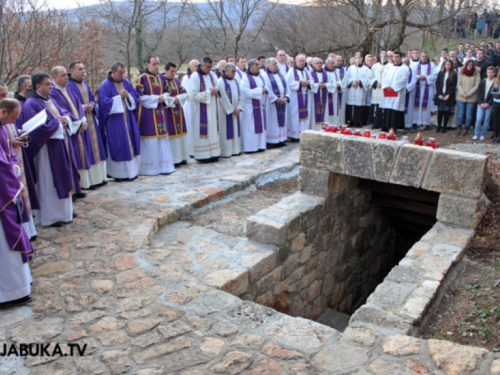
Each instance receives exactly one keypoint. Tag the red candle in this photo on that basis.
(348, 131)
(381, 135)
(367, 134)
(431, 143)
(392, 135)
(343, 129)
(334, 129)
(357, 133)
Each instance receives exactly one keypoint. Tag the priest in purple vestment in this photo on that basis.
(50, 156)
(97, 154)
(156, 155)
(71, 107)
(15, 246)
(117, 101)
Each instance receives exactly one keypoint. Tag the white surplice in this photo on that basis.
(275, 134)
(251, 140)
(187, 115)
(297, 125)
(205, 146)
(53, 209)
(357, 96)
(395, 77)
(422, 116)
(227, 106)
(337, 86)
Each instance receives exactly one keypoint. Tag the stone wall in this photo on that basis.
(332, 251)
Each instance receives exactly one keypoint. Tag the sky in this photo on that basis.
(65, 4)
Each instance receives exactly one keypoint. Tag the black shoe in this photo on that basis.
(261, 150)
(444, 130)
(204, 161)
(80, 195)
(16, 302)
(59, 224)
(438, 130)
(214, 159)
(33, 238)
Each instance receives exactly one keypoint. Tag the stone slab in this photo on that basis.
(315, 182)
(384, 154)
(456, 172)
(358, 156)
(411, 165)
(319, 150)
(266, 230)
(466, 212)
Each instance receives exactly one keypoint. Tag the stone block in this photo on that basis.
(379, 321)
(321, 151)
(456, 172)
(358, 156)
(389, 295)
(384, 154)
(315, 182)
(259, 264)
(410, 166)
(342, 182)
(231, 281)
(266, 230)
(466, 212)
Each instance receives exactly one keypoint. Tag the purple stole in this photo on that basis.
(426, 93)
(407, 98)
(339, 94)
(203, 107)
(319, 98)
(229, 117)
(280, 108)
(302, 99)
(257, 114)
(178, 128)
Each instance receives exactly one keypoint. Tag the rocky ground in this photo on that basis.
(143, 300)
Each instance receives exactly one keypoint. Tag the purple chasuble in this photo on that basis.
(13, 228)
(302, 97)
(151, 121)
(176, 123)
(75, 112)
(203, 106)
(82, 91)
(63, 168)
(319, 98)
(280, 107)
(229, 117)
(257, 113)
(122, 133)
(425, 100)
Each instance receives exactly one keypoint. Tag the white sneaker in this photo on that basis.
(481, 138)
(474, 138)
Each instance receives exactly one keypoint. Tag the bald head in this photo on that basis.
(59, 76)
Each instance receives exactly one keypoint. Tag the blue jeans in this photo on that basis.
(482, 117)
(465, 110)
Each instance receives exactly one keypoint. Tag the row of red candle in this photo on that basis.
(382, 135)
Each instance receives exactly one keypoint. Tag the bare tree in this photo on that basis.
(32, 38)
(131, 22)
(358, 25)
(229, 26)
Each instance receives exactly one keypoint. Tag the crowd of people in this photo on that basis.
(155, 125)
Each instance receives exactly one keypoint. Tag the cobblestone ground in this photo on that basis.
(149, 304)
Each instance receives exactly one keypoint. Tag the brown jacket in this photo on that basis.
(468, 86)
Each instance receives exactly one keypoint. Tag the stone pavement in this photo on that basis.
(148, 300)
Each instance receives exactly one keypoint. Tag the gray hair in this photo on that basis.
(252, 62)
(300, 55)
(229, 66)
(270, 60)
(315, 59)
(219, 64)
(116, 65)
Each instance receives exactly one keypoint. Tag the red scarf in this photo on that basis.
(469, 73)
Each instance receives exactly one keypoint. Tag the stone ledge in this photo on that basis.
(466, 212)
(440, 170)
(456, 172)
